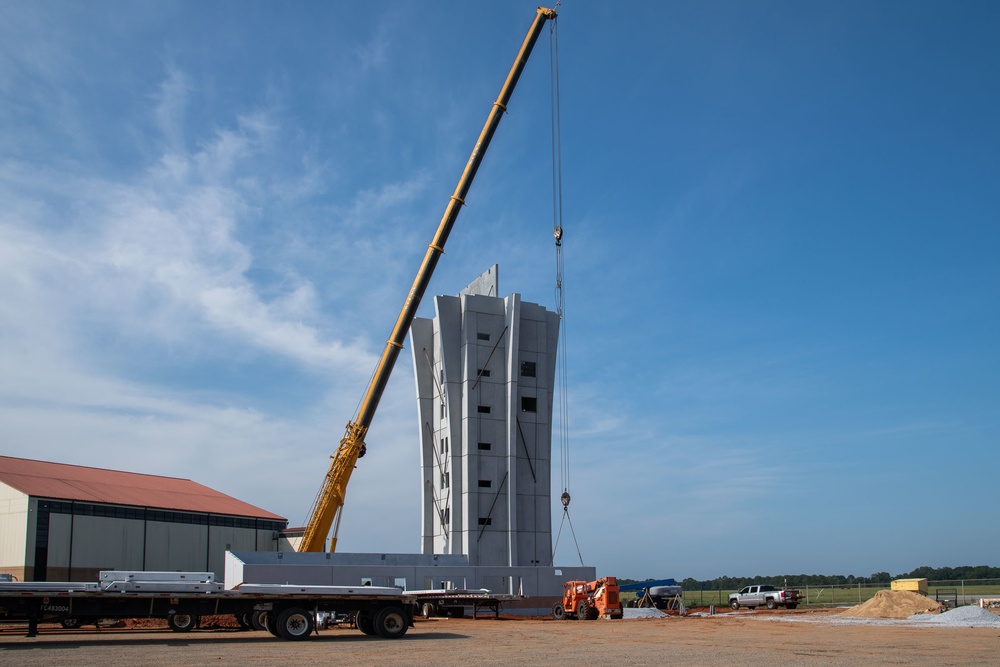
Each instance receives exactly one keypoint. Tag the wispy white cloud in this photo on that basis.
(171, 105)
(635, 479)
(163, 261)
(160, 255)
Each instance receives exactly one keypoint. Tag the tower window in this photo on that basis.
(484, 372)
(528, 369)
(485, 484)
(528, 404)
(485, 521)
(484, 409)
(485, 446)
(482, 336)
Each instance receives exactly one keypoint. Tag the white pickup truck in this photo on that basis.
(764, 595)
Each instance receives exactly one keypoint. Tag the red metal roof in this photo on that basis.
(61, 481)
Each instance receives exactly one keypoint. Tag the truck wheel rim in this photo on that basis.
(297, 625)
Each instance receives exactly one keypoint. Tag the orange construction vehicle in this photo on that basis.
(587, 600)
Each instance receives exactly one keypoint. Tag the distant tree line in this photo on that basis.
(965, 573)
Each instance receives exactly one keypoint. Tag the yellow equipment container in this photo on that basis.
(915, 585)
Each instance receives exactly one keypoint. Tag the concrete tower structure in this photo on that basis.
(485, 370)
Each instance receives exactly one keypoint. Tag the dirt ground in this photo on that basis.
(783, 637)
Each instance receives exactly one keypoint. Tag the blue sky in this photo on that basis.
(781, 258)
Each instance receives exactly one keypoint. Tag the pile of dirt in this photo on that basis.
(221, 621)
(895, 604)
(144, 623)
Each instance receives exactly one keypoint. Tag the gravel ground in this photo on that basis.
(961, 617)
(725, 638)
(628, 613)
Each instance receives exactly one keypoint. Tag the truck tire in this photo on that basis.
(791, 605)
(582, 611)
(270, 619)
(391, 622)
(365, 622)
(735, 604)
(558, 611)
(295, 624)
(182, 622)
(771, 604)
(257, 620)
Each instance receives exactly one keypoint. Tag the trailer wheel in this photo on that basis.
(391, 622)
(271, 622)
(771, 604)
(243, 620)
(558, 611)
(70, 623)
(430, 611)
(365, 622)
(735, 604)
(257, 620)
(182, 622)
(295, 624)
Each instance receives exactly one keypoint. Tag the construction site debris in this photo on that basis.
(895, 604)
(643, 612)
(964, 617)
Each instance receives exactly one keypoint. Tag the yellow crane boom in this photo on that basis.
(329, 503)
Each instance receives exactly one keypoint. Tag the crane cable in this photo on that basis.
(560, 295)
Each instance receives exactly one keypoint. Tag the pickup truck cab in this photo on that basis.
(764, 595)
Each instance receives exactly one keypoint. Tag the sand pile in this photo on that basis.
(894, 604)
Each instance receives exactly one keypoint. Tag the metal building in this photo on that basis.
(485, 370)
(62, 522)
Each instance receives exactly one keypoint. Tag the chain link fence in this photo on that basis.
(949, 593)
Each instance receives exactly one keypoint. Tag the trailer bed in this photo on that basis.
(287, 611)
(452, 602)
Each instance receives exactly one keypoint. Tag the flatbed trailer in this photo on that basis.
(286, 611)
(453, 602)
